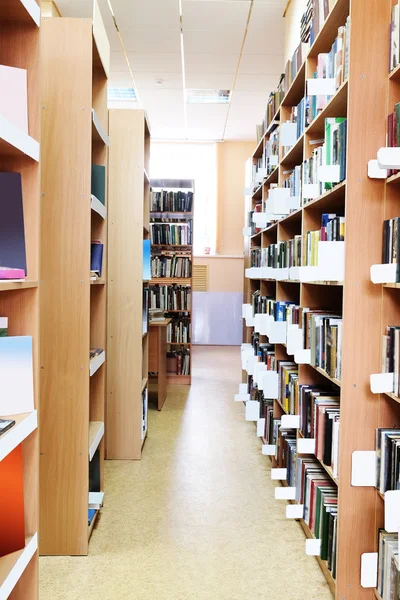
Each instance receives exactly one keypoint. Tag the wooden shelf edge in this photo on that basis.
(98, 207)
(11, 284)
(12, 566)
(33, 10)
(96, 363)
(320, 118)
(144, 383)
(92, 524)
(99, 133)
(98, 281)
(322, 563)
(25, 424)
(392, 396)
(335, 191)
(96, 434)
(288, 158)
(14, 141)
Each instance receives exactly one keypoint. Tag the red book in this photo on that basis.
(12, 524)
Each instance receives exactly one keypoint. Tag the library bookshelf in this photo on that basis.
(365, 309)
(19, 301)
(75, 58)
(186, 251)
(127, 368)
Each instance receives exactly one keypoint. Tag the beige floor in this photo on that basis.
(196, 519)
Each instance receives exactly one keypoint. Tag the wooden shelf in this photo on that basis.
(92, 524)
(322, 563)
(179, 379)
(9, 284)
(392, 396)
(14, 142)
(27, 11)
(329, 199)
(172, 214)
(325, 374)
(177, 311)
(74, 58)
(12, 566)
(297, 88)
(171, 281)
(96, 433)
(337, 17)
(257, 194)
(323, 465)
(25, 424)
(394, 179)
(179, 343)
(377, 595)
(336, 107)
(272, 177)
(394, 74)
(99, 134)
(129, 214)
(393, 286)
(295, 155)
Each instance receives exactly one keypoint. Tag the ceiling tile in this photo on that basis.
(120, 79)
(255, 83)
(211, 81)
(240, 130)
(254, 64)
(118, 61)
(214, 15)
(171, 63)
(151, 40)
(215, 42)
(76, 8)
(148, 80)
(211, 63)
(150, 14)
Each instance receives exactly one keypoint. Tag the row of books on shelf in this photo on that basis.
(321, 331)
(178, 330)
(170, 297)
(177, 233)
(336, 63)
(170, 201)
(302, 250)
(171, 265)
(391, 355)
(178, 362)
(393, 132)
(388, 566)
(394, 38)
(269, 160)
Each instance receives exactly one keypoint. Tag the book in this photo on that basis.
(16, 375)
(5, 425)
(171, 297)
(179, 330)
(98, 186)
(146, 261)
(12, 229)
(170, 201)
(96, 258)
(171, 265)
(12, 523)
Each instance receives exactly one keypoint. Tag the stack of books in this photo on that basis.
(171, 233)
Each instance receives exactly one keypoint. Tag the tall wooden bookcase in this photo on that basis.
(129, 188)
(75, 65)
(19, 301)
(175, 185)
(365, 308)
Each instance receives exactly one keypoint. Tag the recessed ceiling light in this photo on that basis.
(122, 93)
(208, 96)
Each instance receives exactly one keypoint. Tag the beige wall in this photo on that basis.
(224, 274)
(292, 26)
(231, 161)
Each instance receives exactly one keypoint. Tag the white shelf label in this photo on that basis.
(321, 87)
(242, 397)
(285, 493)
(329, 173)
(389, 158)
(313, 547)
(311, 191)
(290, 421)
(260, 427)
(268, 450)
(384, 273)
(303, 357)
(252, 410)
(382, 383)
(294, 511)
(375, 171)
(278, 474)
(369, 570)
(288, 134)
(306, 446)
(392, 511)
(270, 385)
(363, 468)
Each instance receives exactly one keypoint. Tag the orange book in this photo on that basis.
(12, 525)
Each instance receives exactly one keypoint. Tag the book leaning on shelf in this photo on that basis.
(332, 152)
(391, 355)
(388, 566)
(178, 362)
(270, 156)
(393, 132)
(394, 38)
(387, 459)
(331, 65)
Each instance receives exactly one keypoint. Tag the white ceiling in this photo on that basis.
(213, 35)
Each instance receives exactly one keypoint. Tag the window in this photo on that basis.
(195, 161)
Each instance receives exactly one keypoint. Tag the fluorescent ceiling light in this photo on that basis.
(208, 96)
(121, 93)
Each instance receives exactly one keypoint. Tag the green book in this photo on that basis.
(397, 111)
(3, 326)
(99, 183)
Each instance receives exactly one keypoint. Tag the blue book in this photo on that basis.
(146, 261)
(96, 257)
(91, 514)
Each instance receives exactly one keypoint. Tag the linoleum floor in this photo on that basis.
(196, 519)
